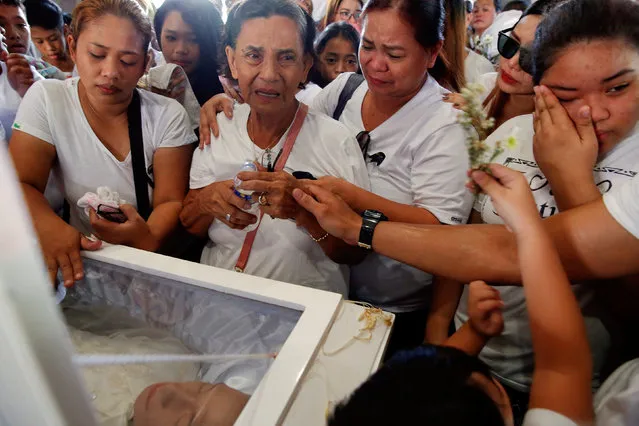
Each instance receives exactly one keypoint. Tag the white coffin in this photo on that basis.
(40, 385)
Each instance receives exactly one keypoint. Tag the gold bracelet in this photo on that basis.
(317, 240)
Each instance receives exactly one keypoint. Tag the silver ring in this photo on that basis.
(262, 201)
(228, 217)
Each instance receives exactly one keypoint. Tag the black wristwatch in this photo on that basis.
(370, 220)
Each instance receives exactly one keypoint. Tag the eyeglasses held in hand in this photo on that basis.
(508, 47)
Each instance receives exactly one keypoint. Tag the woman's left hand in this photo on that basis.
(273, 191)
(563, 148)
(135, 232)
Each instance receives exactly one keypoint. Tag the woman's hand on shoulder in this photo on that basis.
(61, 246)
(208, 116)
(563, 148)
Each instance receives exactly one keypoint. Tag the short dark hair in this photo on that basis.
(206, 22)
(337, 29)
(427, 17)
(469, 6)
(45, 14)
(583, 21)
(252, 9)
(516, 5)
(497, 4)
(15, 3)
(429, 385)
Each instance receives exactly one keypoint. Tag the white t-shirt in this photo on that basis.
(51, 111)
(623, 204)
(425, 166)
(544, 417)
(307, 95)
(10, 99)
(3, 136)
(488, 82)
(475, 66)
(617, 401)
(511, 354)
(319, 9)
(281, 250)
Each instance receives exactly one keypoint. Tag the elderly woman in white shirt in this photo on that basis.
(269, 45)
(412, 144)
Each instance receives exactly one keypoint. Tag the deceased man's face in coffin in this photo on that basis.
(188, 404)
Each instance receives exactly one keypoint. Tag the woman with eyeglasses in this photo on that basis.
(343, 10)
(269, 49)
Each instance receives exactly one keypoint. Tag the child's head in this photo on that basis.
(427, 386)
(336, 47)
(13, 19)
(47, 30)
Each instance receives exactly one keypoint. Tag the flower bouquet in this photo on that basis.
(477, 125)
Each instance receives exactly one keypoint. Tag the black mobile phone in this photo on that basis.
(303, 175)
(112, 214)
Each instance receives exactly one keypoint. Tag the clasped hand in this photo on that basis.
(274, 192)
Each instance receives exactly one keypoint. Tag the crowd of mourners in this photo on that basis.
(319, 143)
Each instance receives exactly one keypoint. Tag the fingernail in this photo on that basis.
(68, 283)
(585, 113)
(78, 276)
(478, 175)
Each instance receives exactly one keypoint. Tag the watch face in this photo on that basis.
(373, 214)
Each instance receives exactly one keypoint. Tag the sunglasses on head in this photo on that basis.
(508, 47)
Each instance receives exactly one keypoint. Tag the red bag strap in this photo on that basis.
(279, 165)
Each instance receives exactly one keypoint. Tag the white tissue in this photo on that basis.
(103, 196)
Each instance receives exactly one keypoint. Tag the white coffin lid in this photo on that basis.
(39, 383)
